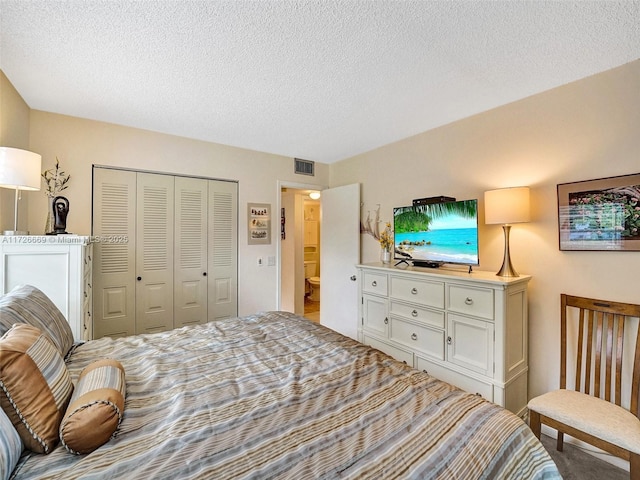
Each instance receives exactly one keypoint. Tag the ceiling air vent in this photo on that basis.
(303, 167)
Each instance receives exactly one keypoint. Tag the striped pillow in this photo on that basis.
(10, 446)
(27, 304)
(36, 386)
(95, 410)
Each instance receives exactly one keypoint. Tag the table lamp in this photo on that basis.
(506, 206)
(19, 170)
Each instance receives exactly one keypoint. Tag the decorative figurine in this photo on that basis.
(60, 212)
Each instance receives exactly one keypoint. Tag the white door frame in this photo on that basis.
(297, 186)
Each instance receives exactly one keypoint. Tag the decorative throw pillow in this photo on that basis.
(36, 386)
(10, 446)
(96, 407)
(27, 304)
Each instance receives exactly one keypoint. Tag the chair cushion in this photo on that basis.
(27, 304)
(36, 386)
(96, 407)
(591, 415)
(10, 446)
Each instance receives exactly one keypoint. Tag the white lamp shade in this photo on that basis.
(19, 169)
(506, 205)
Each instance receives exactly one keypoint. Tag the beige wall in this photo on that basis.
(80, 143)
(14, 132)
(584, 130)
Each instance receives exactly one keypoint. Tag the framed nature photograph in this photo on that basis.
(601, 214)
(259, 223)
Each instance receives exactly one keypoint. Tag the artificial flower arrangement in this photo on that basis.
(55, 179)
(386, 238)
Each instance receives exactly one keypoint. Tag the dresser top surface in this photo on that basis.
(448, 273)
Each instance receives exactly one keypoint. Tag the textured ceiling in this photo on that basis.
(321, 80)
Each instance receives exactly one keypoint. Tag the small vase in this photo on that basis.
(385, 256)
(48, 226)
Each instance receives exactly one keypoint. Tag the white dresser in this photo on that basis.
(468, 329)
(60, 266)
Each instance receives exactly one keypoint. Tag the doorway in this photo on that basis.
(301, 224)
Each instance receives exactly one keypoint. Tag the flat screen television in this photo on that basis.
(431, 235)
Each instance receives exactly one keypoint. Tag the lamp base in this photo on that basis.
(10, 233)
(507, 269)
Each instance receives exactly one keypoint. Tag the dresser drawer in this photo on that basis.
(418, 314)
(418, 291)
(391, 350)
(474, 301)
(374, 283)
(461, 381)
(418, 337)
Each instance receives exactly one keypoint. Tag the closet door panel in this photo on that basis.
(222, 250)
(190, 259)
(114, 214)
(154, 246)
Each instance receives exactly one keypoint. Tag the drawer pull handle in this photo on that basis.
(414, 313)
(386, 321)
(374, 284)
(414, 336)
(414, 291)
(449, 340)
(468, 301)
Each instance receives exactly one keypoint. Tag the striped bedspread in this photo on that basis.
(274, 395)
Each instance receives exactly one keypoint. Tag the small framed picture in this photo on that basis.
(259, 221)
(601, 214)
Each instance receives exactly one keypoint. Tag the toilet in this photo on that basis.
(312, 280)
(315, 289)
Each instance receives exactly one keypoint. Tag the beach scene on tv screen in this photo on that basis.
(437, 236)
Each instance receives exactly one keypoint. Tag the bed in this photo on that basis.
(274, 395)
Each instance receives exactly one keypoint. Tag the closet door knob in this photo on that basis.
(468, 301)
(139, 278)
(386, 321)
(374, 284)
(414, 336)
(204, 274)
(449, 340)
(414, 313)
(414, 291)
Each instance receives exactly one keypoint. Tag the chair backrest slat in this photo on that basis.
(636, 378)
(587, 347)
(608, 324)
(619, 345)
(599, 349)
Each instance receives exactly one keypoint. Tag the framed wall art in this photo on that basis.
(259, 223)
(600, 215)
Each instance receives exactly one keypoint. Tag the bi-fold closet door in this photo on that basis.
(166, 251)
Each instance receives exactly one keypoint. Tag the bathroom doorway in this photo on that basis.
(301, 222)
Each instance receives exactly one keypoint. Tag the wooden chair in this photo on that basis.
(592, 411)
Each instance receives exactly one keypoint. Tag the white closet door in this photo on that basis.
(222, 250)
(190, 253)
(114, 215)
(154, 259)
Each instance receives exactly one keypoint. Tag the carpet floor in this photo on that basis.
(576, 464)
